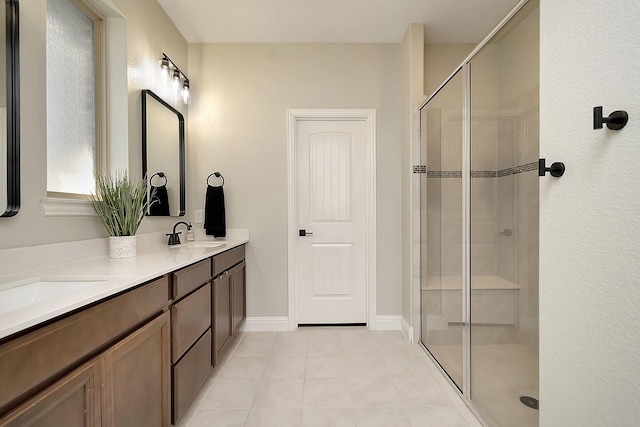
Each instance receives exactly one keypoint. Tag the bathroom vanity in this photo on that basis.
(135, 352)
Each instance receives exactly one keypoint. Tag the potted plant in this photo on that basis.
(120, 204)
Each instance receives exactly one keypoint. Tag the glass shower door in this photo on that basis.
(504, 224)
(441, 228)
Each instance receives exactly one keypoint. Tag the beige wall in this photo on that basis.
(238, 126)
(440, 61)
(149, 33)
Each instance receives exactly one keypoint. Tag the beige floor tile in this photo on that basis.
(274, 417)
(207, 417)
(328, 417)
(251, 348)
(244, 368)
(382, 417)
(279, 393)
(366, 366)
(420, 391)
(326, 392)
(324, 348)
(333, 377)
(285, 368)
(373, 391)
(435, 417)
(325, 367)
(228, 393)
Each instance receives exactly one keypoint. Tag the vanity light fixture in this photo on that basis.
(170, 68)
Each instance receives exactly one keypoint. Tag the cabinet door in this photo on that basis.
(72, 401)
(137, 374)
(221, 311)
(238, 280)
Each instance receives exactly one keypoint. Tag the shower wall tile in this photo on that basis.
(483, 259)
(483, 231)
(483, 194)
(451, 259)
(506, 135)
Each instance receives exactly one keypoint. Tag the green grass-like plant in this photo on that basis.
(120, 203)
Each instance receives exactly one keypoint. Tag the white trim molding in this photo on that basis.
(66, 207)
(369, 117)
(266, 324)
(387, 322)
(407, 330)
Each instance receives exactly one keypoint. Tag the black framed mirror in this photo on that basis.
(10, 114)
(163, 155)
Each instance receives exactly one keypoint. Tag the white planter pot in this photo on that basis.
(122, 246)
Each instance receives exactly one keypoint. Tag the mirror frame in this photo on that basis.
(146, 92)
(13, 108)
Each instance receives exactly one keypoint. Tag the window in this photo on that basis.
(75, 94)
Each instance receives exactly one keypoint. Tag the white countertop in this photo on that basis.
(114, 275)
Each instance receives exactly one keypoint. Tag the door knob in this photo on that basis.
(302, 232)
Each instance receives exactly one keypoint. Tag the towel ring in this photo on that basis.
(161, 175)
(218, 175)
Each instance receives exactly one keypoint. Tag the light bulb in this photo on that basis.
(185, 92)
(164, 69)
(176, 78)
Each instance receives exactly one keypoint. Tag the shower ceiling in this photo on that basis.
(333, 21)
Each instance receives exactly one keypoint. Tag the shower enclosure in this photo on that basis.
(479, 224)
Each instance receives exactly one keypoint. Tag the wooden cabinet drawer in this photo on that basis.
(190, 373)
(227, 259)
(34, 359)
(189, 319)
(190, 278)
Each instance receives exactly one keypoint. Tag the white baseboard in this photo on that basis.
(281, 323)
(386, 322)
(266, 324)
(407, 330)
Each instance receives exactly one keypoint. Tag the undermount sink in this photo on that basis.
(205, 244)
(201, 244)
(15, 296)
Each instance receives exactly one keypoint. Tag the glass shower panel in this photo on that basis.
(441, 227)
(504, 223)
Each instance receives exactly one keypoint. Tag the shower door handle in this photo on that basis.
(556, 169)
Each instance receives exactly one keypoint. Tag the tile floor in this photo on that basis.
(326, 377)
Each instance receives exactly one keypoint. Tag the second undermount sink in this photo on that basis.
(19, 295)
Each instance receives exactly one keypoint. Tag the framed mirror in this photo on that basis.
(10, 112)
(163, 155)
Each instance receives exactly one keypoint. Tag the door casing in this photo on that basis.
(369, 117)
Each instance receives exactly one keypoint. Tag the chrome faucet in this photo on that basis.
(174, 238)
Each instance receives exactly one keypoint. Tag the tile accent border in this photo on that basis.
(419, 169)
(533, 166)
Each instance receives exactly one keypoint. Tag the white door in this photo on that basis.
(331, 209)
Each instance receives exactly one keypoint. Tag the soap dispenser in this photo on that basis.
(190, 234)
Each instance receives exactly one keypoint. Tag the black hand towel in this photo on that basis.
(214, 218)
(160, 198)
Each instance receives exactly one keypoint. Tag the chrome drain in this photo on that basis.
(530, 402)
